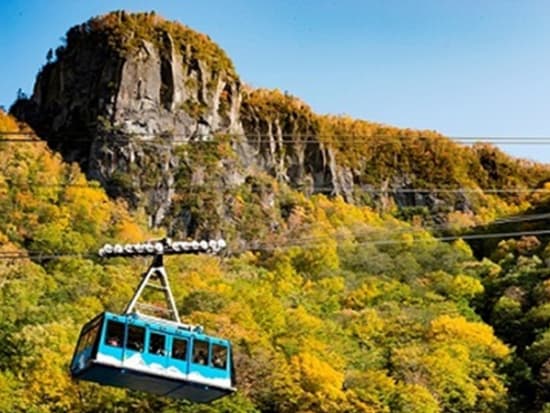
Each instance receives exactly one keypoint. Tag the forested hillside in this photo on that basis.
(516, 302)
(335, 291)
(342, 320)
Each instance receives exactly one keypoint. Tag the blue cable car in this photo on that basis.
(151, 354)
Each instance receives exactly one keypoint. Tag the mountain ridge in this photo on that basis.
(134, 89)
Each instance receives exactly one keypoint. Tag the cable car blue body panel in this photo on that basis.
(155, 356)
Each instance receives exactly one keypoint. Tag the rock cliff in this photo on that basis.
(128, 93)
(126, 90)
(283, 134)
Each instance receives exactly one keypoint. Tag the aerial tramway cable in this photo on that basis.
(308, 242)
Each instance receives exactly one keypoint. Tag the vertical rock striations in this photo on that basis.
(283, 134)
(127, 93)
(124, 92)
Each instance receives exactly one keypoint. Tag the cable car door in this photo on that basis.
(134, 347)
(157, 350)
(179, 356)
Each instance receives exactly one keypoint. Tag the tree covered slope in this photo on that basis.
(359, 312)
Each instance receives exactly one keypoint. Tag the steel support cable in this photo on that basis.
(503, 235)
(293, 137)
(409, 230)
(365, 188)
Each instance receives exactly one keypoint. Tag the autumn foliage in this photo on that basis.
(330, 320)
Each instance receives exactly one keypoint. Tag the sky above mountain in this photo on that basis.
(465, 68)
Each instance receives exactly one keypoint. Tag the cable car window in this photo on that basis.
(92, 335)
(179, 349)
(88, 338)
(219, 357)
(83, 343)
(115, 334)
(200, 352)
(157, 344)
(136, 338)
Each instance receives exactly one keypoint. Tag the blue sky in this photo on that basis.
(464, 68)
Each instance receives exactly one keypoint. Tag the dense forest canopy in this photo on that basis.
(342, 320)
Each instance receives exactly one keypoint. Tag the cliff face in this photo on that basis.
(283, 135)
(118, 102)
(128, 92)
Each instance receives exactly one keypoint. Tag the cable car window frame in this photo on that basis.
(160, 346)
(198, 345)
(175, 341)
(135, 338)
(219, 348)
(118, 333)
(88, 338)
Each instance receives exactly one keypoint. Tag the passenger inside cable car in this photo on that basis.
(151, 354)
(177, 362)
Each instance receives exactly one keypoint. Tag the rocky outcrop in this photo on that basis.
(283, 136)
(120, 100)
(120, 111)
(127, 93)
